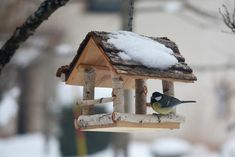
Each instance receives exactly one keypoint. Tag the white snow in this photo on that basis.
(67, 95)
(25, 56)
(228, 149)
(102, 93)
(64, 49)
(108, 152)
(173, 7)
(200, 150)
(124, 56)
(142, 49)
(33, 145)
(138, 149)
(8, 105)
(135, 149)
(170, 147)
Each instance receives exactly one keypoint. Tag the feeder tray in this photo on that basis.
(125, 122)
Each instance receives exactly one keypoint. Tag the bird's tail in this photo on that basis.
(188, 101)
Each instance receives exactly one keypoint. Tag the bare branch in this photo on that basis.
(228, 18)
(131, 13)
(28, 28)
(234, 13)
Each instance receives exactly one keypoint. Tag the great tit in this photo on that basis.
(164, 104)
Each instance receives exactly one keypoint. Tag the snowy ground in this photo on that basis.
(34, 145)
(169, 147)
(8, 105)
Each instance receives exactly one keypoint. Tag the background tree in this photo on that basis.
(228, 17)
(28, 28)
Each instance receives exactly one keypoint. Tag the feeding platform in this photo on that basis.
(103, 61)
(125, 122)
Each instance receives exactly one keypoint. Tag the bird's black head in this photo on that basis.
(156, 96)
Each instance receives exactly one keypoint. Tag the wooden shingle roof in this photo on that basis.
(98, 41)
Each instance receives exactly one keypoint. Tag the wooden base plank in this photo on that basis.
(125, 122)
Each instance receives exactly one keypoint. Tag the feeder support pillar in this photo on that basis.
(168, 89)
(140, 96)
(88, 89)
(118, 94)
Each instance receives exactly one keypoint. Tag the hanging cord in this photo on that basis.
(131, 12)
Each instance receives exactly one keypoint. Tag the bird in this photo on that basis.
(164, 104)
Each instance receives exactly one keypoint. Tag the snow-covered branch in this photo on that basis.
(28, 28)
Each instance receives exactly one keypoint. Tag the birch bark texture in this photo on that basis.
(118, 94)
(89, 89)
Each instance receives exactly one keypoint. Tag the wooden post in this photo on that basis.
(118, 94)
(168, 89)
(88, 89)
(140, 96)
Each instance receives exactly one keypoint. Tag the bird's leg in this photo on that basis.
(158, 116)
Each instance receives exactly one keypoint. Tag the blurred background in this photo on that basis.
(37, 109)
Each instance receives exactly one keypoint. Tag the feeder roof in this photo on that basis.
(97, 51)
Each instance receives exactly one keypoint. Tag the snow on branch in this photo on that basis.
(23, 32)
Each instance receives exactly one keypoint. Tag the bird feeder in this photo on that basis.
(98, 63)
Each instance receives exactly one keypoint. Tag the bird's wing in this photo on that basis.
(169, 101)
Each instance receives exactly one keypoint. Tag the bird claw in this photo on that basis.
(158, 116)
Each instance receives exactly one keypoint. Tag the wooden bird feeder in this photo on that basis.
(97, 64)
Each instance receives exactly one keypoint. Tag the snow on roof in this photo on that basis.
(133, 55)
(142, 49)
(8, 105)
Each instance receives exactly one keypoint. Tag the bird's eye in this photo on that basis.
(158, 98)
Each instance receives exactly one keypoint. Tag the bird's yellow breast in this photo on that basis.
(157, 107)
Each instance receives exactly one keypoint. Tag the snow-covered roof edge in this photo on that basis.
(122, 66)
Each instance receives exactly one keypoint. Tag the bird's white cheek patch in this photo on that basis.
(158, 98)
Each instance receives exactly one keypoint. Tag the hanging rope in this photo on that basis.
(131, 12)
(140, 84)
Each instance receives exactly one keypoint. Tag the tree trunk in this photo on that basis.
(23, 32)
